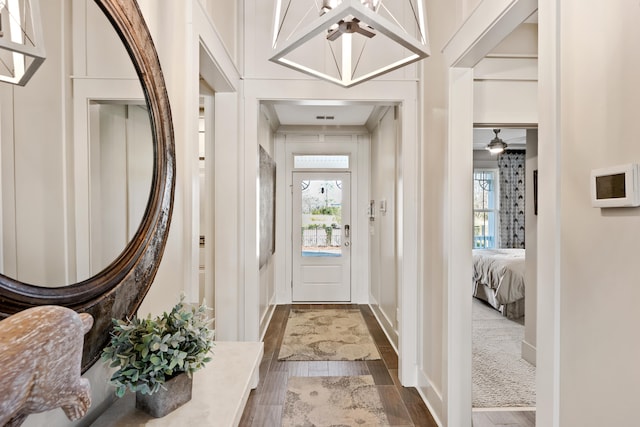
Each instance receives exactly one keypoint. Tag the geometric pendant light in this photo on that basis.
(348, 42)
(21, 40)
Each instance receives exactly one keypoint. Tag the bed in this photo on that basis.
(498, 278)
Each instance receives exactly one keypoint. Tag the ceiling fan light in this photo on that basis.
(497, 145)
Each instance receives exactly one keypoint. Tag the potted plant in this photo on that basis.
(156, 357)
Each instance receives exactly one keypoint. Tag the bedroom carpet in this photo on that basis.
(333, 401)
(334, 334)
(501, 378)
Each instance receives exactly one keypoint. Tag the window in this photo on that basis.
(305, 161)
(485, 208)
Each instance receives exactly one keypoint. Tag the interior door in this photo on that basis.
(321, 237)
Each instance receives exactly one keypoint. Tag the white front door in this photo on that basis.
(321, 237)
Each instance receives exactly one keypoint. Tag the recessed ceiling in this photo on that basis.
(342, 113)
(329, 114)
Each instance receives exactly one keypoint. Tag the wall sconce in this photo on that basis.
(21, 40)
(348, 42)
(496, 146)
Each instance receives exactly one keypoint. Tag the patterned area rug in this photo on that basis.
(333, 401)
(501, 377)
(327, 334)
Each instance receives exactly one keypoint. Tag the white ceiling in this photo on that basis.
(340, 113)
(316, 113)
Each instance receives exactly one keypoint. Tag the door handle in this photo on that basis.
(347, 230)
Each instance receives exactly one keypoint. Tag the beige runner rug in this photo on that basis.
(333, 401)
(327, 334)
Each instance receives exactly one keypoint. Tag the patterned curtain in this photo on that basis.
(512, 178)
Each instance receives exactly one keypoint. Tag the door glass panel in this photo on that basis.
(321, 218)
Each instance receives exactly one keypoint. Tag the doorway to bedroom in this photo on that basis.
(504, 282)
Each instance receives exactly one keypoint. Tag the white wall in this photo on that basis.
(267, 272)
(191, 47)
(224, 15)
(599, 100)
(505, 102)
(521, 43)
(484, 159)
(506, 80)
(444, 18)
(383, 230)
(179, 269)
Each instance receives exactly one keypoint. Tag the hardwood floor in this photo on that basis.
(504, 418)
(403, 405)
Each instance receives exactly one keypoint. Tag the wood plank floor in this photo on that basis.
(403, 405)
(504, 418)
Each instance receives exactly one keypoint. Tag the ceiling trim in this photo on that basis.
(489, 24)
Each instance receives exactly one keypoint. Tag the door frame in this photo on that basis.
(344, 260)
(356, 146)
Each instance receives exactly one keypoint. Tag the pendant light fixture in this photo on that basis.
(21, 40)
(496, 146)
(348, 42)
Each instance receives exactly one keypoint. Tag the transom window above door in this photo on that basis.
(321, 161)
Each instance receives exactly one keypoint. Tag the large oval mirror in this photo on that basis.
(88, 168)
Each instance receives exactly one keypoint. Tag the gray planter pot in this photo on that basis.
(176, 392)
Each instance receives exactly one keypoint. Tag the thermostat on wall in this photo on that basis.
(615, 186)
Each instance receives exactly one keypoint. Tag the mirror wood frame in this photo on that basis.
(118, 290)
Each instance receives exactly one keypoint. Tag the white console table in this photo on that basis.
(220, 392)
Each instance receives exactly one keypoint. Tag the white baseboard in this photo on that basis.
(431, 397)
(514, 409)
(386, 325)
(528, 352)
(266, 319)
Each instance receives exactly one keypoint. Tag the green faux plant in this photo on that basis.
(148, 352)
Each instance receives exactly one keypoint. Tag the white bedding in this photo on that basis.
(502, 270)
